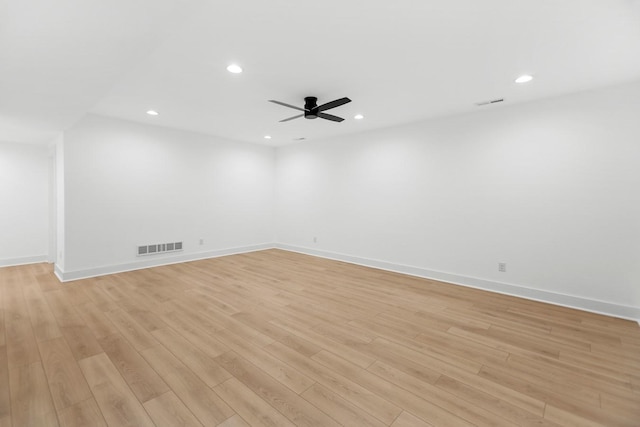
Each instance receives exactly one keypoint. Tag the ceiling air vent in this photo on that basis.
(493, 101)
(159, 248)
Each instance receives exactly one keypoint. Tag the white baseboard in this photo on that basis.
(594, 306)
(67, 276)
(58, 272)
(23, 260)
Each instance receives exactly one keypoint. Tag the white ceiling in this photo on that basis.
(399, 61)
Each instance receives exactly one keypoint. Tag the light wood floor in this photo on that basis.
(281, 339)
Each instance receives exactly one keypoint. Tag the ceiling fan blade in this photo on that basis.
(333, 104)
(330, 117)
(291, 118)
(287, 105)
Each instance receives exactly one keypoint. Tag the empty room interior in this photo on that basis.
(284, 213)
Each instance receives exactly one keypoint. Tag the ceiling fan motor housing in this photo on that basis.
(311, 107)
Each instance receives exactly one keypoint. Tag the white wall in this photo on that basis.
(24, 203)
(128, 184)
(552, 188)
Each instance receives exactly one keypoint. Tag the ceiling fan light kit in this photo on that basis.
(312, 110)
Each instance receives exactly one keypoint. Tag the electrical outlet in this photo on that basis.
(502, 267)
(315, 239)
(201, 241)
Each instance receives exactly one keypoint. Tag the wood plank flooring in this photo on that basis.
(274, 338)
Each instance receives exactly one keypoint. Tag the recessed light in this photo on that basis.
(524, 78)
(267, 137)
(234, 68)
(152, 113)
(358, 117)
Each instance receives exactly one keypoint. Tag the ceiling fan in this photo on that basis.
(312, 110)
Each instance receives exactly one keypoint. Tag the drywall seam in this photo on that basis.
(590, 305)
(68, 276)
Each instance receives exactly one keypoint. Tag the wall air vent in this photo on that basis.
(159, 248)
(493, 101)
